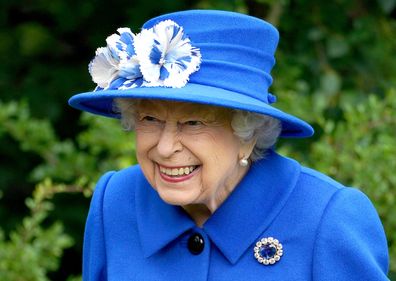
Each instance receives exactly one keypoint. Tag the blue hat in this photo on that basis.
(202, 56)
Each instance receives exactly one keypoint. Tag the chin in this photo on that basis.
(175, 199)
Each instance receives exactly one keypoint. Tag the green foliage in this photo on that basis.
(32, 250)
(335, 69)
(65, 160)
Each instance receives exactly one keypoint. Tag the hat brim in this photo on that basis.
(101, 103)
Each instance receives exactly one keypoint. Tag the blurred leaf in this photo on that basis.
(337, 46)
(387, 5)
(330, 83)
(33, 39)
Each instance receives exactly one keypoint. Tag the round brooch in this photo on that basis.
(268, 251)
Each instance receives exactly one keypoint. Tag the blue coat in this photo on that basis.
(328, 231)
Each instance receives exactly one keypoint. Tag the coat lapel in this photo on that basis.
(253, 205)
(158, 222)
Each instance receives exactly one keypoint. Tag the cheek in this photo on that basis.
(140, 151)
(144, 144)
(144, 141)
(220, 157)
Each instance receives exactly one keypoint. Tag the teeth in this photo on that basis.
(177, 171)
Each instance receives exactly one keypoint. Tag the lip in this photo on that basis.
(176, 179)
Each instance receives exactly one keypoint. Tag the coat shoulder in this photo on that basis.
(121, 185)
(338, 225)
(317, 178)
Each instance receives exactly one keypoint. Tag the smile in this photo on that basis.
(177, 172)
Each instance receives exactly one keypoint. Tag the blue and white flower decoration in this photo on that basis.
(159, 56)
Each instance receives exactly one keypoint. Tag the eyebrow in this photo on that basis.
(193, 110)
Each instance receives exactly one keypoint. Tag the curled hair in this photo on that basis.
(246, 125)
(126, 107)
(264, 128)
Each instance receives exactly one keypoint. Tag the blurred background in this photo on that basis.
(336, 67)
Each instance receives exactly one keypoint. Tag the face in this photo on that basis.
(188, 152)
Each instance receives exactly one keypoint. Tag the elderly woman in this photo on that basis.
(210, 198)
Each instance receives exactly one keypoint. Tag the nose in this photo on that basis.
(169, 142)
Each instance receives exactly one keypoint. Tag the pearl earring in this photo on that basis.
(243, 162)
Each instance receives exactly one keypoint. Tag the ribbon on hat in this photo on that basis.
(159, 56)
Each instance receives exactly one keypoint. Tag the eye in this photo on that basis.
(193, 123)
(149, 119)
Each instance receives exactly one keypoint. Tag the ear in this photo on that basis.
(246, 148)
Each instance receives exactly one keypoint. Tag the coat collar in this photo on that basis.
(239, 221)
(158, 222)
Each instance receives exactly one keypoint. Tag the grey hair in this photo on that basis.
(246, 125)
(264, 128)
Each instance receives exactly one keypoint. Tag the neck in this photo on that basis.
(198, 212)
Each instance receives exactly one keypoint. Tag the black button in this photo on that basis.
(196, 244)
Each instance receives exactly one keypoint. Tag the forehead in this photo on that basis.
(181, 108)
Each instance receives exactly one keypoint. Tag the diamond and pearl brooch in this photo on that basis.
(268, 251)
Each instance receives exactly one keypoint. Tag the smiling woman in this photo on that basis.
(210, 199)
(209, 146)
(190, 152)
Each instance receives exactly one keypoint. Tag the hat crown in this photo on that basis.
(237, 50)
(211, 26)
